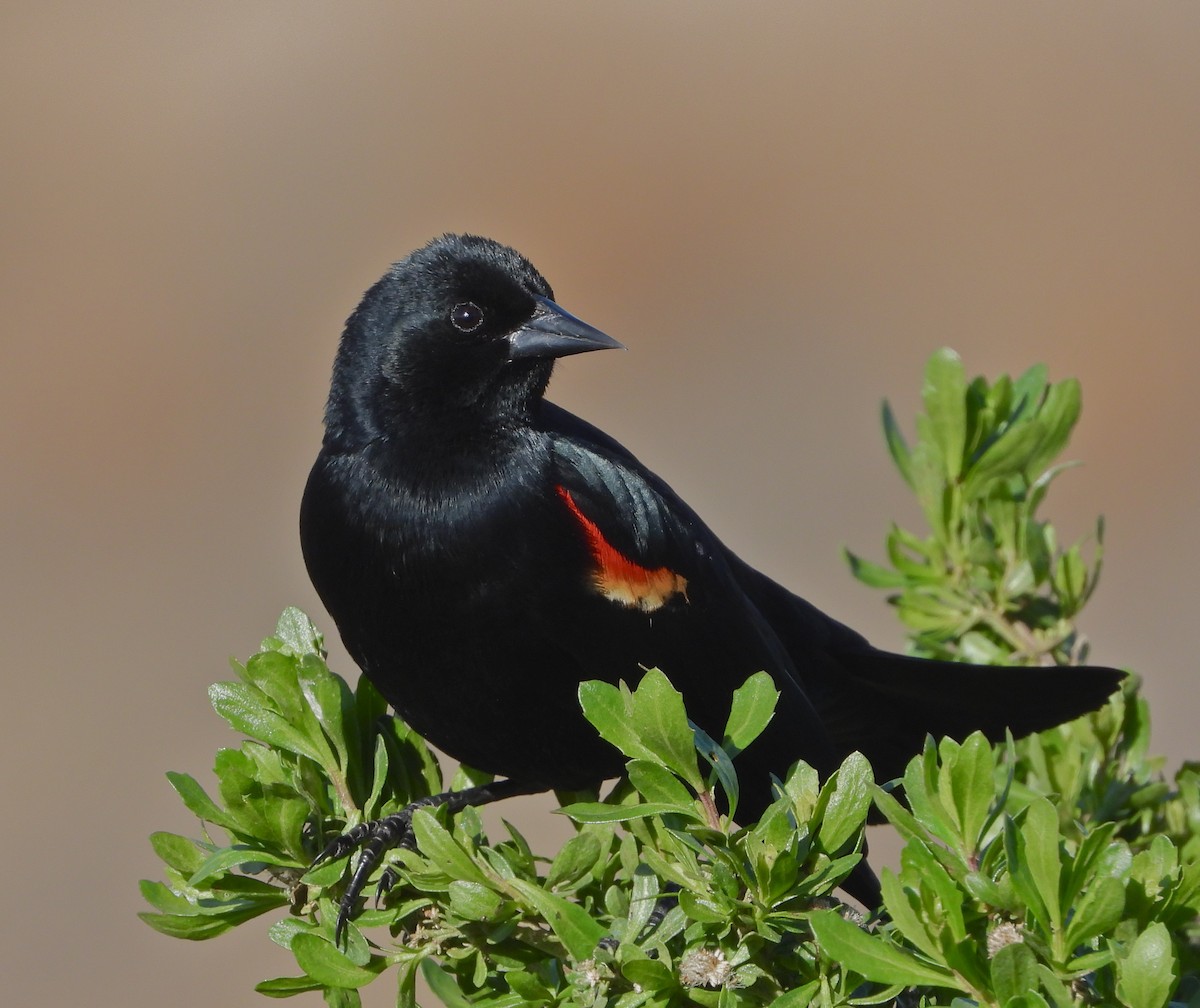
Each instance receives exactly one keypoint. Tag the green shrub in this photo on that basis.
(1059, 870)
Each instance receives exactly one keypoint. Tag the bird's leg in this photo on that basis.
(380, 835)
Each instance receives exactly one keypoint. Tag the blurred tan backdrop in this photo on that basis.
(781, 208)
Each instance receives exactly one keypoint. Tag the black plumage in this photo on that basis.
(483, 551)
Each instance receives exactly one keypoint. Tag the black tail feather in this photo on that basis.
(903, 699)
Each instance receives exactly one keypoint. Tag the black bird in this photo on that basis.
(482, 552)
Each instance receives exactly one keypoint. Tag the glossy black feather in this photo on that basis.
(455, 524)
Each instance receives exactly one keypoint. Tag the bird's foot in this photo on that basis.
(379, 836)
(376, 838)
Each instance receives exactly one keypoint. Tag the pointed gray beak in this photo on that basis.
(553, 332)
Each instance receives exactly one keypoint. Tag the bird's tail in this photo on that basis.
(885, 704)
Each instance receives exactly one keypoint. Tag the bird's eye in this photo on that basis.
(466, 316)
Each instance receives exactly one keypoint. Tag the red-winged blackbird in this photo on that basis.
(483, 552)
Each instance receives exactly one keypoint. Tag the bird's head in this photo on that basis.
(461, 332)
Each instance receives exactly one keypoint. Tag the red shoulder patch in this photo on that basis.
(620, 579)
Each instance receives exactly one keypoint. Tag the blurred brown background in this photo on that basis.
(781, 208)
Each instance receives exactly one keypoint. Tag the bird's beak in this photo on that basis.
(553, 332)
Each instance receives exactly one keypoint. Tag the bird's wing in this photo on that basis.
(621, 503)
(714, 631)
(865, 699)
(642, 515)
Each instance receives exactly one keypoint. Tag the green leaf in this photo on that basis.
(642, 900)
(897, 446)
(298, 633)
(932, 878)
(1030, 999)
(919, 560)
(370, 710)
(474, 901)
(203, 925)
(662, 724)
(610, 712)
(985, 890)
(282, 987)
(413, 771)
(845, 813)
(525, 986)
(1014, 971)
(649, 974)
(1146, 974)
(682, 868)
(1056, 418)
(443, 985)
(773, 834)
(600, 812)
(437, 844)
(944, 395)
(165, 899)
(907, 825)
(341, 997)
(273, 675)
(873, 574)
(702, 907)
(921, 778)
(934, 612)
(657, 784)
(1040, 842)
(198, 802)
(1092, 857)
(232, 857)
(870, 956)
(967, 787)
(751, 711)
(904, 907)
(1070, 578)
(1029, 390)
(379, 778)
(1007, 456)
(571, 923)
(330, 700)
(177, 852)
(1098, 911)
(283, 931)
(722, 766)
(330, 967)
(802, 788)
(326, 873)
(243, 708)
(243, 889)
(978, 649)
(574, 861)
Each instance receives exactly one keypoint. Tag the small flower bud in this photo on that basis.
(1001, 934)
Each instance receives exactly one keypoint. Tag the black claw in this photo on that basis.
(376, 839)
(341, 846)
(386, 880)
(381, 835)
